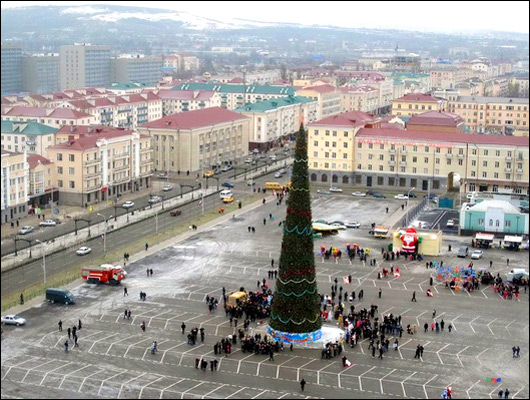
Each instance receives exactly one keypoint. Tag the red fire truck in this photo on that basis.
(105, 273)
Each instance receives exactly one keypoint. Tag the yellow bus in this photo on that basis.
(273, 185)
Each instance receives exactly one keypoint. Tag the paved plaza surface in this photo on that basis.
(114, 359)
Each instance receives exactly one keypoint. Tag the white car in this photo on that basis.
(128, 204)
(167, 188)
(250, 182)
(48, 222)
(277, 175)
(154, 199)
(450, 223)
(338, 224)
(248, 160)
(13, 320)
(401, 196)
(353, 224)
(272, 157)
(282, 171)
(477, 255)
(25, 230)
(335, 189)
(83, 251)
(358, 194)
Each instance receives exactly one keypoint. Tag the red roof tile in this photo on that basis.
(36, 159)
(91, 129)
(43, 112)
(89, 141)
(185, 94)
(195, 119)
(350, 118)
(441, 137)
(321, 88)
(441, 118)
(420, 97)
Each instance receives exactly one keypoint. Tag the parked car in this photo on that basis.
(370, 192)
(272, 157)
(431, 196)
(282, 171)
(379, 196)
(227, 185)
(250, 182)
(128, 204)
(248, 160)
(338, 224)
(48, 222)
(167, 188)
(82, 251)
(227, 168)
(277, 175)
(25, 230)
(217, 171)
(321, 221)
(477, 255)
(323, 192)
(13, 320)
(358, 194)
(209, 174)
(54, 295)
(401, 196)
(353, 224)
(335, 189)
(463, 252)
(412, 195)
(175, 213)
(228, 200)
(450, 223)
(286, 149)
(154, 199)
(162, 174)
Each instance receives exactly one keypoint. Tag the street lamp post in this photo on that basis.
(43, 259)
(105, 234)
(407, 214)
(182, 186)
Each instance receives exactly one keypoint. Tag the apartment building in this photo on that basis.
(448, 78)
(413, 82)
(377, 157)
(328, 97)
(14, 196)
(121, 88)
(277, 119)
(436, 121)
(40, 73)
(181, 62)
(99, 163)
(137, 68)
(30, 137)
(415, 103)
(127, 111)
(491, 114)
(198, 140)
(331, 146)
(11, 63)
(233, 96)
(57, 99)
(42, 182)
(84, 65)
(361, 97)
(54, 117)
(175, 101)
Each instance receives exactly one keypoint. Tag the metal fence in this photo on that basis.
(411, 214)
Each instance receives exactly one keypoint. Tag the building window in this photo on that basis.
(71, 157)
(508, 223)
(359, 145)
(316, 143)
(71, 171)
(59, 157)
(71, 184)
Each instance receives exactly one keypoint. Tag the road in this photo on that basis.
(45, 234)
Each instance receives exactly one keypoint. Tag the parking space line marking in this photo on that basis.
(403, 382)
(233, 394)
(239, 363)
(279, 365)
(360, 376)
(99, 340)
(121, 340)
(338, 376)
(128, 348)
(467, 391)
(318, 372)
(73, 372)
(106, 379)
(453, 321)
(437, 353)
(85, 378)
(173, 384)
(488, 325)
(154, 316)
(147, 384)
(259, 394)
(130, 380)
(381, 380)
(175, 317)
(45, 375)
(165, 351)
(197, 385)
(473, 329)
(425, 384)
(516, 393)
(194, 348)
(300, 367)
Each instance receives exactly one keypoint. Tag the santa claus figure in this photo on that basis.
(409, 239)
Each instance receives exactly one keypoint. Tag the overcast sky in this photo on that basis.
(433, 16)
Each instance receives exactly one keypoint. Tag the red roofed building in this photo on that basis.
(439, 121)
(54, 117)
(175, 101)
(198, 140)
(360, 97)
(416, 103)
(42, 181)
(99, 163)
(328, 97)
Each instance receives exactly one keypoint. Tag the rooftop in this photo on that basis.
(419, 97)
(229, 88)
(505, 206)
(273, 104)
(195, 119)
(321, 88)
(432, 136)
(184, 94)
(441, 118)
(27, 128)
(89, 141)
(36, 159)
(43, 112)
(503, 100)
(350, 118)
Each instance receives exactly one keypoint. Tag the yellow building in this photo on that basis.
(99, 164)
(200, 139)
(491, 114)
(328, 97)
(361, 97)
(415, 103)
(42, 181)
(14, 195)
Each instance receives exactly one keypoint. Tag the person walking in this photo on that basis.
(125, 293)
(442, 324)
(146, 246)
(431, 281)
(450, 328)
(66, 346)
(421, 351)
(21, 298)
(183, 327)
(434, 313)
(147, 270)
(75, 341)
(381, 351)
(501, 394)
(79, 325)
(69, 331)
(128, 314)
(60, 325)
(506, 393)
(414, 296)
(74, 330)
(425, 327)
(302, 384)
(380, 292)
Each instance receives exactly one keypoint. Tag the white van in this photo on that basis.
(226, 193)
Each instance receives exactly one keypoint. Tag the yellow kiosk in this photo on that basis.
(429, 242)
(236, 298)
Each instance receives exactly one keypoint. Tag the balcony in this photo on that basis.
(402, 163)
(121, 155)
(460, 155)
(519, 170)
(392, 151)
(92, 162)
(449, 155)
(403, 152)
(93, 186)
(92, 174)
(508, 158)
(122, 179)
(390, 162)
(507, 170)
(121, 167)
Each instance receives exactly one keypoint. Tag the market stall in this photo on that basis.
(483, 240)
(512, 242)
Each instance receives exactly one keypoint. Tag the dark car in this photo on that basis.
(54, 295)
(227, 185)
(463, 252)
(412, 195)
(430, 196)
(379, 196)
(175, 213)
(370, 192)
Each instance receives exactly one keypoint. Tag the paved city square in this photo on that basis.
(114, 360)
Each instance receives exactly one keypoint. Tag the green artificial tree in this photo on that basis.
(296, 305)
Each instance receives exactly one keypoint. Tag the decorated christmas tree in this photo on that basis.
(296, 306)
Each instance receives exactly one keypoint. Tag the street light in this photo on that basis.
(43, 259)
(105, 234)
(181, 186)
(407, 214)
